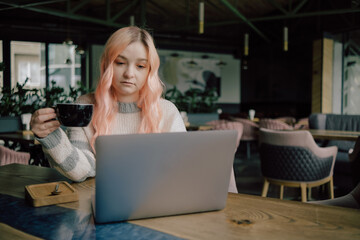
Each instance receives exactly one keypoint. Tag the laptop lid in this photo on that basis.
(160, 174)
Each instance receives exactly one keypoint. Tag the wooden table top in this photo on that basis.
(245, 216)
(26, 137)
(334, 134)
(199, 127)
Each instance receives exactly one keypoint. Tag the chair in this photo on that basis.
(274, 124)
(302, 123)
(228, 125)
(8, 156)
(250, 133)
(293, 159)
(288, 120)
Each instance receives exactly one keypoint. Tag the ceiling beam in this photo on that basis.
(278, 6)
(270, 18)
(158, 7)
(29, 4)
(299, 6)
(68, 15)
(108, 10)
(80, 5)
(306, 14)
(125, 9)
(242, 17)
(143, 13)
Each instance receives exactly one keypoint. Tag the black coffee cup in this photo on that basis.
(74, 114)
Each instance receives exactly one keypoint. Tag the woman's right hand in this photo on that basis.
(43, 122)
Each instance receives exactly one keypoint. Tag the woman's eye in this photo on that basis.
(141, 66)
(120, 63)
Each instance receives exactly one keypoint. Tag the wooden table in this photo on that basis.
(334, 134)
(245, 216)
(17, 137)
(199, 127)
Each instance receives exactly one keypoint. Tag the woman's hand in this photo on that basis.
(43, 122)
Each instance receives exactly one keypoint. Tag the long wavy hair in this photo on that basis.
(106, 105)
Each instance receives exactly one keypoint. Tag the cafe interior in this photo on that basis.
(284, 74)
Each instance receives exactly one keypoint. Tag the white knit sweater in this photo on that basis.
(70, 153)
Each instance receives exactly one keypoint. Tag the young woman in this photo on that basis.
(127, 100)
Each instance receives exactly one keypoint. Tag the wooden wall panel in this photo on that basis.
(316, 77)
(327, 75)
(322, 76)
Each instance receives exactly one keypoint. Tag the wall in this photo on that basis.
(230, 73)
(278, 83)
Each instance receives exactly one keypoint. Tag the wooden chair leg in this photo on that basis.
(281, 191)
(331, 186)
(303, 192)
(265, 188)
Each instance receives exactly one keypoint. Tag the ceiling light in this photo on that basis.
(201, 17)
(286, 41)
(246, 44)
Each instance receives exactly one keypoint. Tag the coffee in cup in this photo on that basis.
(74, 114)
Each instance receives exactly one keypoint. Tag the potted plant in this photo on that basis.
(15, 102)
(20, 100)
(200, 104)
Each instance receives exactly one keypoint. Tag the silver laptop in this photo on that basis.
(161, 174)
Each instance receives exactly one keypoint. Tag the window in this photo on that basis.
(28, 64)
(64, 65)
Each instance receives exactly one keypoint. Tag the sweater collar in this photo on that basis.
(128, 107)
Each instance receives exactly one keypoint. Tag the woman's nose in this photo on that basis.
(129, 72)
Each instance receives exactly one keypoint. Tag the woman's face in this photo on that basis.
(131, 69)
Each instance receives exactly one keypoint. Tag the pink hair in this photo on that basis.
(106, 106)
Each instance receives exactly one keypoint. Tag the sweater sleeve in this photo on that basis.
(69, 151)
(70, 154)
(172, 120)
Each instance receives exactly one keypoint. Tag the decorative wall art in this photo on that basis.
(186, 73)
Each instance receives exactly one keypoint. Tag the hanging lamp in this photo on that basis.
(132, 20)
(201, 17)
(286, 47)
(246, 44)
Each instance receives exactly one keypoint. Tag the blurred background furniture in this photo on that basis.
(288, 120)
(8, 156)
(274, 124)
(293, 159)
(250, 133)
(228, 125)
(302, 123)
(343, 167)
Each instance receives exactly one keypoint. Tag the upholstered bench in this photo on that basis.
(337, 122)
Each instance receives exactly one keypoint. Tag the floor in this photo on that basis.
(249, 179)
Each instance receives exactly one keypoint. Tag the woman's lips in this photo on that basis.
(127, 83)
